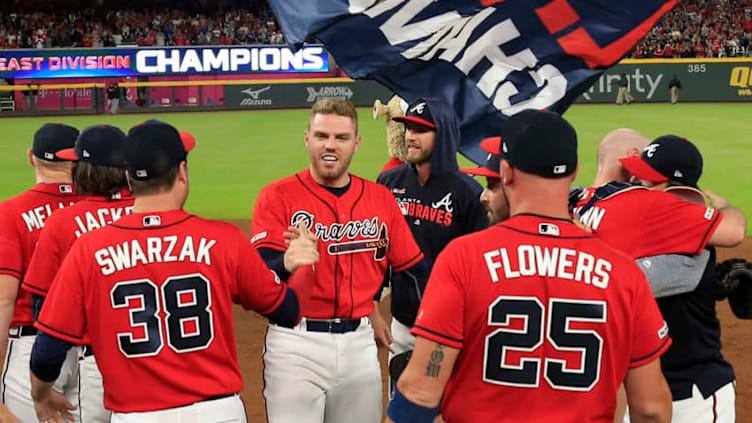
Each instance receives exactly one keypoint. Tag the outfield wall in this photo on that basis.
(703, 80)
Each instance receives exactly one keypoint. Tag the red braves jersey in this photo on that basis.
(359, 233)
(65, 227)
(21, 221)
(153, 293)
(642, 222)
(547, 317)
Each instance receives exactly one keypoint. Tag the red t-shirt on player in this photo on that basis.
(643, 223)
(153, 293)
(21, 221)
(359, 234)
(548, 318)
(64, 228)
(391, 164)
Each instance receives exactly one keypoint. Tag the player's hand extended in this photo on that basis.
(382, 333)
(717, 201)
(292, 233)
(302, 250)
(53, 406)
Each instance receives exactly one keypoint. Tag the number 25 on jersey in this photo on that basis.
(561, 312)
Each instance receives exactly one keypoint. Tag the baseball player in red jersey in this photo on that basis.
(326, 368)
(100, 173)
(21, 221)
(153, 294)
(606, 210)
(491, 197)
(701, 381)
(534, 319)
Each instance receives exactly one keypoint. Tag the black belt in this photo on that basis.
(216, 397)
(332, 326)
(88, 352)
(19, 331)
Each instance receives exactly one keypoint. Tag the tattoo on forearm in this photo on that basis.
(434, 365)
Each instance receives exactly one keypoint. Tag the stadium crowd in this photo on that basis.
(700, 28)
(694, 28)
(166, 27)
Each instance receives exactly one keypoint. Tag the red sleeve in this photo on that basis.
(257, 288)
(63, 315)
(649, 331)
(676, 226)
(441, 313)
(269, 222)
(11, 260)
(403, 251)
(46, 260)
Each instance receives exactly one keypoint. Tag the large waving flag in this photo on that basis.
(488, 58)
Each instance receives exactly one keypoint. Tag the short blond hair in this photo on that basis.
(334, 106)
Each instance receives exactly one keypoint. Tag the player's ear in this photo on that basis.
(507, 173)
(357, 143)
(183, 172)
(31, 158)
(128, 180)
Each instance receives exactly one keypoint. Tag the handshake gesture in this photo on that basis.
(302, 247)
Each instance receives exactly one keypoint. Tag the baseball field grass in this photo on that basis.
(237, 153)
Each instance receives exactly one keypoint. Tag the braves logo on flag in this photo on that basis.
(489, 59)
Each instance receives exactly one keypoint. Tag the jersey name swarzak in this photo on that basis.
(132, 253)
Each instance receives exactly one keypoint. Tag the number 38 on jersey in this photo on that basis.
(186, 302)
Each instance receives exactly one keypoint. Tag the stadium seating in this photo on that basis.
(700, 28)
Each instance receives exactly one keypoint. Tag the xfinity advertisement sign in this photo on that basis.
(109, 62)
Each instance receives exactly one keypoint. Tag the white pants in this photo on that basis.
(315, 377)
(223, 410)
(402, 340)
(114, 104)
(16, 382)
(717, 408)
(92, 392)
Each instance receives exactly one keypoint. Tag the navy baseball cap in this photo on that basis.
(418, 112)
(153, 148)
(493, 160)
(667, 158)
(51, 138)
(539, 142)
(102, 145)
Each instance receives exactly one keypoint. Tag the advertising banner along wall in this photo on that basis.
(701, 80)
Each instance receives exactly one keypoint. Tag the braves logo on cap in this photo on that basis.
(650, 150)
(418, 108)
